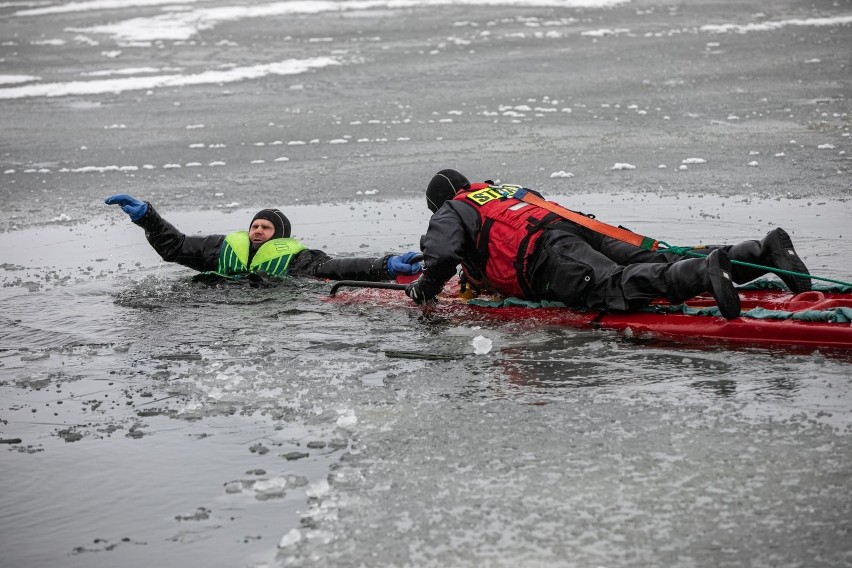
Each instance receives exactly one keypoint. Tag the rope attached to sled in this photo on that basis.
(690, 251)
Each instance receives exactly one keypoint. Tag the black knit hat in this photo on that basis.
(444, 186)
(278, 220)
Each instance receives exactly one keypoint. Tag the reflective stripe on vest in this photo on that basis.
(273, 257)
(510, 228)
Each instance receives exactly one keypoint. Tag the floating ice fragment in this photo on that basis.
(825, 147)
(561, 174)
(62, 218)
(622, 166)
(291, 538)
(694, 161)
(481, 345)
(780, 155)
(662, 166)
(282, 159)
(232, 204)
(318, 489)
(347, 419)
(216, 164)
(683, 168)
(753, 164)
(194, 126)
(338, 141)
(605, 32)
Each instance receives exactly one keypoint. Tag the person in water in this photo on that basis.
(265, 250)
(520, 249)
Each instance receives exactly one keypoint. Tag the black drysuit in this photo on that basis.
(202, 253)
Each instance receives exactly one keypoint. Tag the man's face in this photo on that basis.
(261, 231)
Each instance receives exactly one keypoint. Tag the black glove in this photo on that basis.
(420, 293)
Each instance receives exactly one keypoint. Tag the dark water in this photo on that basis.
(150, 421)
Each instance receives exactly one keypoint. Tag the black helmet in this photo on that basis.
(278, 220)
(444, 186)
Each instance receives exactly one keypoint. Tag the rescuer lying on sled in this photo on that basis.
(508, 244)
(265, 250)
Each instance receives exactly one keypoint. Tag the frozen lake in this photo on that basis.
(149, 421)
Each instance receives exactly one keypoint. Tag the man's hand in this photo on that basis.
(419, 293)
(408, 263)
(133, 207)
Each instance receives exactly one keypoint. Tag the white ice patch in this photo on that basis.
(287, 67)
(769, 26)
(96, 5)
(623, 166)
(605, 32)
(481, 345)
(347, 420)
(694, 161)
(561, 174)
(291, 538)
(14, 79)
(184, 25)
(318, 489)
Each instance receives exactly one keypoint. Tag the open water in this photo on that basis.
(149, 421)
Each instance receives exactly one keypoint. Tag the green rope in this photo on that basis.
(690, 251)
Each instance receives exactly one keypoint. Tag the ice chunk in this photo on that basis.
(481, 345)
(291, 538)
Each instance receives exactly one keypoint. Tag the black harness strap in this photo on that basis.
(534, 225)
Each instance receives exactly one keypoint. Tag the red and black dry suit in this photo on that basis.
(518, 249)
(202, 253)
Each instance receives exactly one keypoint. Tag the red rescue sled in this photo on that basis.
(771, 318)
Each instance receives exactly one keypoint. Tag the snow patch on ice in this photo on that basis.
(119, 85)
(178, 26)
(769, 26)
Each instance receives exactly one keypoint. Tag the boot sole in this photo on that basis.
(789, 260)
(722, 287)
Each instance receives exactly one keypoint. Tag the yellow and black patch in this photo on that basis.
(492, 192)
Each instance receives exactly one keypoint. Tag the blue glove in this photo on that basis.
(408, 263)
(133, 207)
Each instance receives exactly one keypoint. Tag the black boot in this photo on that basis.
(688, 278)
(774, 251)
(777, 251)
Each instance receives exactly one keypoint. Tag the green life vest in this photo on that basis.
(273, 257)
